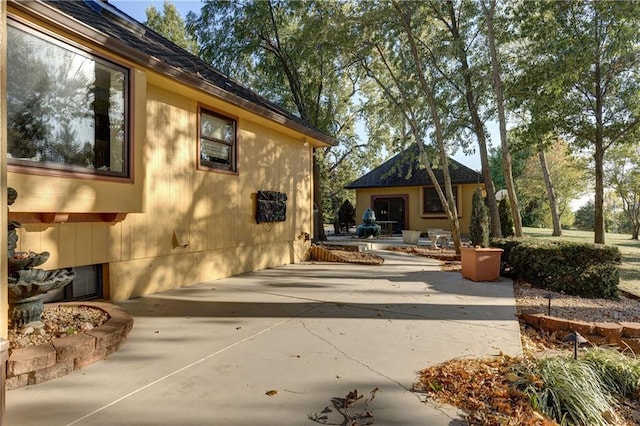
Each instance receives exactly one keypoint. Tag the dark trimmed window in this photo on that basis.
(217, 141)
(431, 202)
(66, 109)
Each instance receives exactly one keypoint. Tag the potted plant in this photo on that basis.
(480, 262)
(410, 236)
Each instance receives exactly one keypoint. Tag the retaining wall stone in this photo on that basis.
(36, 364)
(623, 334)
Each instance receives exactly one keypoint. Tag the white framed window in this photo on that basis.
(217, 147)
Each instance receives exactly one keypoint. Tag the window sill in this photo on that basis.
(16, 166)
(205, 168)
(67, 217)
(436, 216)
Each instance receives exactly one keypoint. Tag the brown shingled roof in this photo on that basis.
(404, 170)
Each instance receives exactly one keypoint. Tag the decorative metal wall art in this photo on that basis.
(271, 206)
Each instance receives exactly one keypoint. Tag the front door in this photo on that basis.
(391, 211)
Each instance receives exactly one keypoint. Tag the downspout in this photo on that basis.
(4, 273)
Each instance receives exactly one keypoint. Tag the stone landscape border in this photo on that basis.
(339, 254)
(36, 364)
(625, 335)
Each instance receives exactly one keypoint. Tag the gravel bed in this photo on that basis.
(57, 322)
(530, 299)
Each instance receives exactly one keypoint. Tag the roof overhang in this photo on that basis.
(71, 25)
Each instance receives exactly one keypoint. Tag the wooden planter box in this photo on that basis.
(481, 264)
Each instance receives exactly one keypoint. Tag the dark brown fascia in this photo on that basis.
(66, 23)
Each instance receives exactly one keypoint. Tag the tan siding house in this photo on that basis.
(154, 180)
(403, 197)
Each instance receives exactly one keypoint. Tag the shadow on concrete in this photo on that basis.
(151, 307)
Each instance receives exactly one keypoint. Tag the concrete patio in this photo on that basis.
(208, 354)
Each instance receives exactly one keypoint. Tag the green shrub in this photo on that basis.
(582, 391)
(595, 281)
(506, 244)
(567, 390)
(346, 216)
(479, 222)
(506, 220)
(586, 270)
(619, 373)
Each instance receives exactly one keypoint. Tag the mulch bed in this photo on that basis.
(440, 254)
(340, 254)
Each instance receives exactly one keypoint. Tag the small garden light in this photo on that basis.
(549, 296)
(576, 338)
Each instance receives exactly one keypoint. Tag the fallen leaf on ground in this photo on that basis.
(482, 388)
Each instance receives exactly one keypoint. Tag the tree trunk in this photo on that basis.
(598, 226)
(506, 155)
(448, 203)
(631, 208)
(318, 225)
(478, 126)
(598, 156)
(494, 213)
(551, 194)
(446, 197)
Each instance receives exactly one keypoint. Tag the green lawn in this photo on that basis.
(630, 249)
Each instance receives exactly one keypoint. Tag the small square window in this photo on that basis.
(431, 201)
(217, 141)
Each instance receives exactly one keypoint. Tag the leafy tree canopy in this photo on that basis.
(294, 53)
(171, 26)
(569, 179)
(623, 175)
(578, 76)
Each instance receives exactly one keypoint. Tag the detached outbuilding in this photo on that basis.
(138, 164)
(402, 195)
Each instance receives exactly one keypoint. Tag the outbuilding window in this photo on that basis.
(66, 109)
(217, 141)
(431, 202)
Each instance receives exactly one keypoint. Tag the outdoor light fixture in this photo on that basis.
(576, 338)
(549, 296)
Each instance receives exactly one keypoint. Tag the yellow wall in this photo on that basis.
(214, 211)
(416, 220)
(63, 194)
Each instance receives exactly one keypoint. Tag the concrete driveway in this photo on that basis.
(208, 354)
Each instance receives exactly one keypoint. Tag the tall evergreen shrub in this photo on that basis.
(346, 216)
(506, 220)
(479, 227)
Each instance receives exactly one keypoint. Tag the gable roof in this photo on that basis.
(404, 170)
(104, 24)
